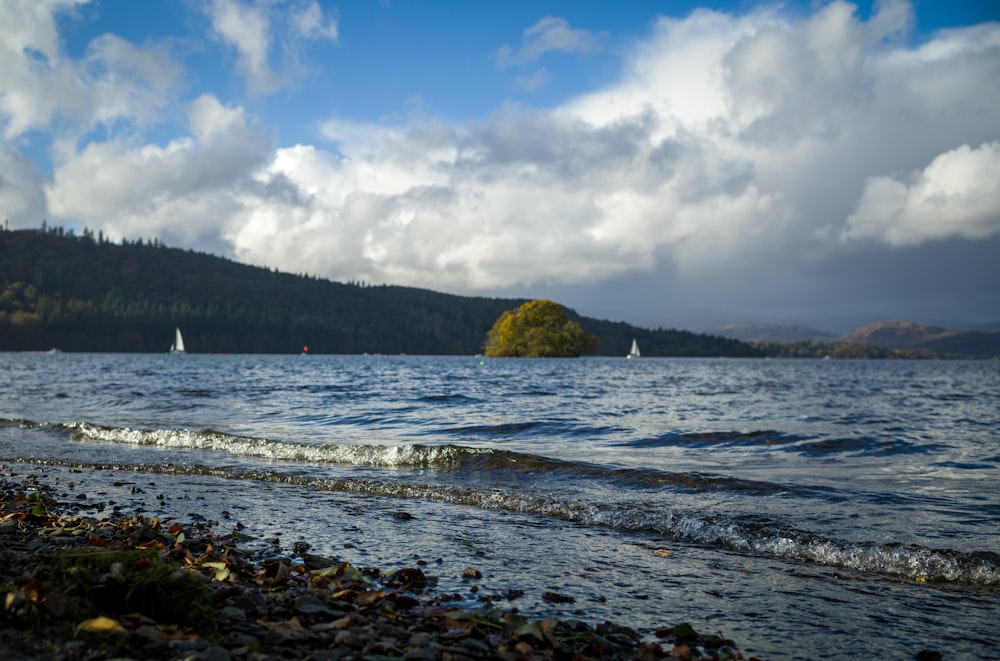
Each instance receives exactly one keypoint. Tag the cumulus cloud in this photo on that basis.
(956, 195)
(31, 53)
(308, 21)
(253, 28)
(39, 85)
(192, 188)
(247, 29)
(729, 144)
(22, 200)
(549, 34)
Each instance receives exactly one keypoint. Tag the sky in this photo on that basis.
(666, 163)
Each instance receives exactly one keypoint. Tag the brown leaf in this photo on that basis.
(369, 598)
(340, 623)
(290, 627)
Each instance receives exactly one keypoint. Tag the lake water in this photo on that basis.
(805, 509)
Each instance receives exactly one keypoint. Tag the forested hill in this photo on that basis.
(87, 294)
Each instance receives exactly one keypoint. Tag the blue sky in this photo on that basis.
(665, 163)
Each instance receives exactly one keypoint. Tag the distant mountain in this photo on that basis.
(88, 294)
(968, 344)
(911, 335)
(766, 333)
(897, 334)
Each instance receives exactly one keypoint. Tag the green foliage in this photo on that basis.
(537, 329)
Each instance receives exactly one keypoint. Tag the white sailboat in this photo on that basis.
(634, 351)
(178, 345)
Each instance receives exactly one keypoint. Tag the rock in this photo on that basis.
(420, 654)
(556, 598)
(213, 653)
(229, 614)
(311, 605)
(477, 648)
(418, 640)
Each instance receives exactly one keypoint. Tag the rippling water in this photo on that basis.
(807, 509)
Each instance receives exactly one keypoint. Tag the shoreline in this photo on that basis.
(126, 586)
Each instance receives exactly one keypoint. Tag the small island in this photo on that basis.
(537, 329)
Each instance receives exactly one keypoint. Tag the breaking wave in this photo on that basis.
(749, 535)
(494, 479)
(452, 458)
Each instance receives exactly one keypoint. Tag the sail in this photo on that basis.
(634, 351)
(178, 346)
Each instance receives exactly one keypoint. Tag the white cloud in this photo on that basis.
(956, 195)
(549, 34)
(22, 201)
(192, 188)
(248, 30)
(730, 143)
(39, 85)
(533, 81)
(307, 21)
(263, 33)
(127, 81)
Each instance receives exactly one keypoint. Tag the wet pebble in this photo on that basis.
(556, 598)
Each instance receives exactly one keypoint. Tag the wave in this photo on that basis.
(751, 535)
(715, 439)
(477, 463)
(377, 456)
(805, 445)
(538, 428)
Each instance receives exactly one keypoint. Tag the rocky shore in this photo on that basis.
(81, 585)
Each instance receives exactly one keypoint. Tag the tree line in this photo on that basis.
(86, 293)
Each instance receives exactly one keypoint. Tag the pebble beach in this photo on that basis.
(93, 582)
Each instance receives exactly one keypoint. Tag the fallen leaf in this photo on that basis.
(222, 571)
(340, 623)
(523, 648)
(370, 598)
(682, 652)
(663, 553)
(100, 624)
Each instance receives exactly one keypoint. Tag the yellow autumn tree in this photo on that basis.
(536, 329)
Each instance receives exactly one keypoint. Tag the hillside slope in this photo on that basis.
(911, 335)
(897, 334)
(82, 294)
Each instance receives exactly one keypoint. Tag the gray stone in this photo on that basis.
(232, 614)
